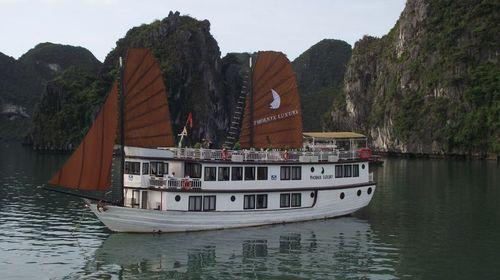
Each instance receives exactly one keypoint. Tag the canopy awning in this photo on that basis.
(334, 135)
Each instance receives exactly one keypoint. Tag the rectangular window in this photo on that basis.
(210, 173)
(249, 173)
(284, 200)
(355, 170)
(237, 173)
(209, 203)
(339, 171)
(192, 170)
(158, 168)
(145, 168)
(296, 172)
(347, 170)
(262, 173)
(285, 173)
(223, 173)
(296, 199)
(249, 202)
(261, 201)
(133, 167)
(195, 203)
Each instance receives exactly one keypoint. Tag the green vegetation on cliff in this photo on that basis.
(320, 72)
(23, 81)
(432, 84)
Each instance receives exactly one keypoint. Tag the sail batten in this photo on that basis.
(146, 120)
(272, 115)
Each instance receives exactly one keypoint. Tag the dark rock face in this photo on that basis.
(432, 85)
(320, 72)
(23, 81)
(193, 71)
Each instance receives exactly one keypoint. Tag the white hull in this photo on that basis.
(327, 205)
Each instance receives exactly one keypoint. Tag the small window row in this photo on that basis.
(290, 200)
(346, 170)
(235, 173)
(291, 172)
(202, 203)
(157, 168)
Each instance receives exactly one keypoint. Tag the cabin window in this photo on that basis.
(237, 173)
(210, 173)
(261, 201)
(338, 171)
(355, 170)
(284, 200)
(262, 173)
(209, 203)
(133, 167)
(159, 168)
(249, 173)
(195, 203)
(223, 173)
(249, 202)
(145, 168)
(296, 172)
(285, 173)
(348, 170)
(296, 199)
(192, 170)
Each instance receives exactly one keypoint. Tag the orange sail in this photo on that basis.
(272, 115)
(146, 124)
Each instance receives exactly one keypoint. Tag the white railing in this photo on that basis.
(254, 155)
(174, 183)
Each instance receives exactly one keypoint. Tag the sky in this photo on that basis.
(290, 26)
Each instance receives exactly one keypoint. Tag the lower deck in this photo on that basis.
(250, 200)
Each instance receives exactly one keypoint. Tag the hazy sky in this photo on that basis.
(291, 26)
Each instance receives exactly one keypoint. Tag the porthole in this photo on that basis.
(177, 198)
(369, 190)
(312, 194)
(312, 169)
(233, 198)
(342, 195)
(359, 193)
(363, 166)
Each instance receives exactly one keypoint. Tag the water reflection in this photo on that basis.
(318, 249)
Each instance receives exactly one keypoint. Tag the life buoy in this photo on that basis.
(225, 154)
(186, 184)
(285, 155)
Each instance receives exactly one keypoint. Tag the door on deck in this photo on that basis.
(144, 200)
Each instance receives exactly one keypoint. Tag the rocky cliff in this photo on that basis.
(431, 85)
(320, 73)
(22, 82)
(198, 80)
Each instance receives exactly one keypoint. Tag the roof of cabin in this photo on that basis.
(334, 135)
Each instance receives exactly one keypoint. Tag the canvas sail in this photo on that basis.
(146, 120)
(272, 115)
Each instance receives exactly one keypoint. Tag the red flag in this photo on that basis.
(190, 120)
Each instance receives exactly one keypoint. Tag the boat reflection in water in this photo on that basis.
(317, 249)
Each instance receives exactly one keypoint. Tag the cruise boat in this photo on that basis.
(269, 175)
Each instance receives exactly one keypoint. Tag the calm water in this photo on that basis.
(429, 219)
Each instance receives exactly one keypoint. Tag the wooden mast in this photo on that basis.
(122, 134)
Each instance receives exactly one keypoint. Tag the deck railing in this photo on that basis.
(254, 155)
(175, 183)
